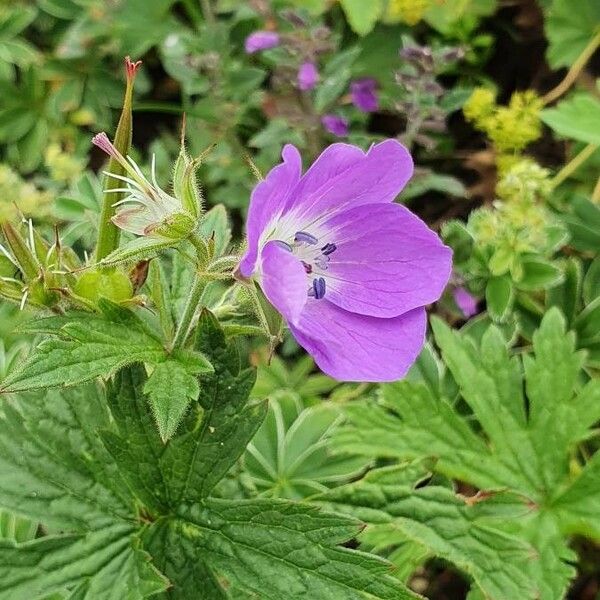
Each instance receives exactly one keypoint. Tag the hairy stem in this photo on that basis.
(189, 312)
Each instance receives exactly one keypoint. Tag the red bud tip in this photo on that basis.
(131, 67)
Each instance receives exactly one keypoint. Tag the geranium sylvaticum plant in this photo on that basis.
(143, 397)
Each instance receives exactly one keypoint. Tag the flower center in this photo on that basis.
(314, 259)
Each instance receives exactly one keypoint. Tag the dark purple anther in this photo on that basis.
(307, 267)
(318, 288)
(328, 249)
(284, 245)
(302, 236)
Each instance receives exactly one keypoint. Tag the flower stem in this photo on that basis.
(573, 164)
(191, 306)
(574, 71)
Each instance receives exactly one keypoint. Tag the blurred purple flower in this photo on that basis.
(364, 94)
(308, 75)
(465, 302)
(350, 270)
(261, 40)
(335, 124)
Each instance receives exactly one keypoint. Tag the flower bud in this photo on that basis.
(111, 284)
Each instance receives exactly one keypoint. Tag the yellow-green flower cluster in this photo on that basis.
(524, 181)
(62, 166)
(510, 128)
(406, 11)
(18, 196)
(507, 231)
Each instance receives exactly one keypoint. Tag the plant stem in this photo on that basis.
(573, 164)
(191, 305)
(596, 192)
(574, 71)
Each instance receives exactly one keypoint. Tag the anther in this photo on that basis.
(284, 245)
(328, 249)
(302, 236)
(318, 288)
(307, 267)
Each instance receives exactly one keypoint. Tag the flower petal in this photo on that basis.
(135, 220)
(283, 280)
(268, 200)
(386, 262)
(377, 176)
(352, 347)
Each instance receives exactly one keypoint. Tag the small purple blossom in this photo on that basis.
(308, 76)
(364, 94)
(261, 40)
(465, 302)
(350, 270)
(335, 124)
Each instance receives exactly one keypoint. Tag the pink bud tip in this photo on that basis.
(101, 140)
(131, 67)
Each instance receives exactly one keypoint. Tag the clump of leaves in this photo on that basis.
(513, 433)
(289, 456)
(135, 515)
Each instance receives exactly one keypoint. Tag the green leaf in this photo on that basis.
(436, 518)
(570, 31)
(54, 467)
(215, 225)
(91, 346)
(499, 296)
(361, 15)
(577, 117)
(491, 442)
(591, 281)
(539, 273)
(579, 504)
(51, 564)
(335, 78)
(583, 225)
(170, 390)
(289, 455)
(290, 545)
(136, 447)
(587, 323)
(198, 458)
(566, 295)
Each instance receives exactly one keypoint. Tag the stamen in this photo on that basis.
(321, 262)
(328, 249)
(284, 245)
(307, 238)
(318, 288)
(307, 267)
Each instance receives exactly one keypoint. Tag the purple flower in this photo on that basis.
(307, 76)
(350, 270)
(261, 40)
(335, 124)
(364, 94)
(465, 302)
